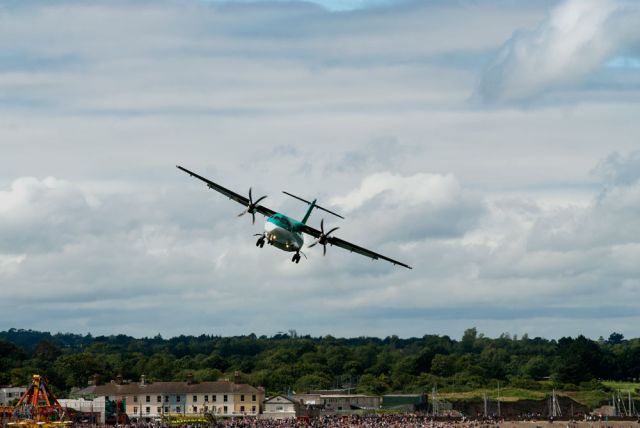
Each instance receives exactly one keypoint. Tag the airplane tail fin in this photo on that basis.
(312, 205)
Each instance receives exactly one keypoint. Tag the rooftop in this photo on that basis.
(139, 388)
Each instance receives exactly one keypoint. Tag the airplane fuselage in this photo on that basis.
(286, 233)
(283, 232)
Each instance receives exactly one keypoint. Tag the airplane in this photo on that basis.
(284, 232)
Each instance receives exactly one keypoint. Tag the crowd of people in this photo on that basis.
(381, 421)
(377, 421)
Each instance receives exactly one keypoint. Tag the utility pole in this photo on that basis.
(434, 401)
(498, 399)
(485, 404)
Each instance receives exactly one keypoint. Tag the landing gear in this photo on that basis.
(296, 258)
(260, 241)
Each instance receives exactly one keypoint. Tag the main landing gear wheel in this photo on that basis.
(296, 258)
(260, 241)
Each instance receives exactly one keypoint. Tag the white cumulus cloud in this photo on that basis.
(576, 38)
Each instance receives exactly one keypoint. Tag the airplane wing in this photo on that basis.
(351, 247)
(228, 193)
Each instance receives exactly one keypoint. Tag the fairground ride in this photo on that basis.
(37, 407)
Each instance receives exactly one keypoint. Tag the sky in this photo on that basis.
(493, 145)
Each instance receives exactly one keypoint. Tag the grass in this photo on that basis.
(592, 398)
(506, 394)
(634, 387)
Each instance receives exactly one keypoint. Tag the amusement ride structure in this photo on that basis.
(37, 407)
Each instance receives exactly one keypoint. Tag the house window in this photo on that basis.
(206, 408)
(242, 397)
(135, 410)
(195, 409)
(178, 398)
(166, 398)
(253, 409)
(242, 409)
(177, 409)
(158, 409)
(279, 408)
(253, 397)
(195, 398)
(135, 398)
(213, 398)
(225, 409)
(148, 399)
(206, 398)
(224, 398)
(159, 398)
(148, 409)
(166, 409)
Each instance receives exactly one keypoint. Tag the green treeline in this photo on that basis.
(287, 362)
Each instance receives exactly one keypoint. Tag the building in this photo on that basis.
(332, 402)
(10, 394)
(346, 403)
(405, 402)
(146, 400)
(280, 407)
(88, 407)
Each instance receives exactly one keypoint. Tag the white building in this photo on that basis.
(8, 394)
(146, 400)
(279, 407)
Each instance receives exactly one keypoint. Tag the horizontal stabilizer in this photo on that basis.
(309, 203)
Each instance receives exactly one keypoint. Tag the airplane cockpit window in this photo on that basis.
(286, 223)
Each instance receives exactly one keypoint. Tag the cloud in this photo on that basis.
(332, 5)
(609, 221)
(493, 206)
(411, 208)
(577, 38)
(617, 169)
(41, 215)
(378, 154)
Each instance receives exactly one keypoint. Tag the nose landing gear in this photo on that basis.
(260, 241)
(296, 258)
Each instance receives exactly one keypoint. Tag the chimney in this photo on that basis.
(119, 379)
(189, 378)
(236, 377)
(95, 379)
(143, 381)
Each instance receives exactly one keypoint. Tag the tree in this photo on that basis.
(615, 338)
(468, 339)
(579, 360)
(443, 365)
(536, 368)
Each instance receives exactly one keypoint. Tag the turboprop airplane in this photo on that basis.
(285, 232)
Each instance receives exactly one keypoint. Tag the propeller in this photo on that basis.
(251, 208)
(323, 238)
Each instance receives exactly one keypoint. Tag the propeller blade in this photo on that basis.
(324, 250)
(332, 230)
(314, 244)
(251, 206)
(322, 226)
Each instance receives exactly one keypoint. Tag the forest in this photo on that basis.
(290, 362)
